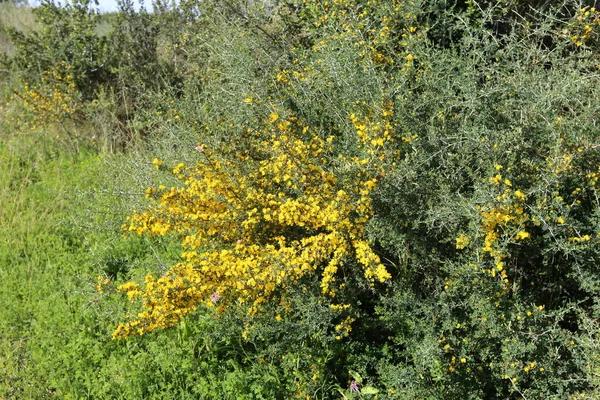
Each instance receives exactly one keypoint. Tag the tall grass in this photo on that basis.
(54, 330)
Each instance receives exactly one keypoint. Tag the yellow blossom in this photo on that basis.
(234, 221)
(462, 241)
(522, 235)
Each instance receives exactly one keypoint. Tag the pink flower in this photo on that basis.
(199, 148)
(354, 387)
(215, 297)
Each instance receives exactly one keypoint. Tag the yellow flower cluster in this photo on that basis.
(375, 131)
(505, 218)
(54, 100)
(593, 178)
(254, 225)
(381, 31)
(462, 241)
(101, 283)
(587, 23)
(344, 328)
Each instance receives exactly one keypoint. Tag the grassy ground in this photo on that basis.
(37, 256)
(55, 328)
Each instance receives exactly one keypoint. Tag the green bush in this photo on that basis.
(485, 207)
(486, 212)
(112, 69)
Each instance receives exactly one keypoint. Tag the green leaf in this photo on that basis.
(369, 390)
(356, 376)
(342, 393)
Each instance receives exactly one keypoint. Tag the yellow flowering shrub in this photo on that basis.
(381, 31)
(503, 221)
(584, 27)
(253, 225)
(54, 100)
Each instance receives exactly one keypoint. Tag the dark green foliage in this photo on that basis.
(67, 34)
(114, 70)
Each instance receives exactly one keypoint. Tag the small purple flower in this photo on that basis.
(354, 387)
(215, 297)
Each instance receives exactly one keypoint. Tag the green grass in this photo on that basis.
(36, 256)
(55, 328)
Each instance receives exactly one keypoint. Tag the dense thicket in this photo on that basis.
(406, 190)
